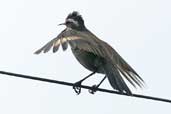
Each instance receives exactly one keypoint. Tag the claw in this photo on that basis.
(77, 87)
(93, 89)
(77, 90)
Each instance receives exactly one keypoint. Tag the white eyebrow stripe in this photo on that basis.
(72, 20)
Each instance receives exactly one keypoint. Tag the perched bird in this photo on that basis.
(94, 54)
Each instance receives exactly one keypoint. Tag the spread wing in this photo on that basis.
(55, 43)
(77, 40)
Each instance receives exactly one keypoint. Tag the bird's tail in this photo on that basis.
(116, 80)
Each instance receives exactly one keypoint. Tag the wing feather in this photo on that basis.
(76, 40)
(56, 45)
(64, 43)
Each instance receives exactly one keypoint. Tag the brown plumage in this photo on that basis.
(94, 54)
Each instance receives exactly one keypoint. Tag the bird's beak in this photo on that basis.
(62, 24)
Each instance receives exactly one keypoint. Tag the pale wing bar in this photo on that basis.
(74, 41)
(84, 44)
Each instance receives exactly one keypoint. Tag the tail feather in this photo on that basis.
(127, 77)
(131, 78)
(131, 72)
(127, 71)
(116, 79)
(135, 79)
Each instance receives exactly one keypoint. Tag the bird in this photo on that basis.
(95, 55)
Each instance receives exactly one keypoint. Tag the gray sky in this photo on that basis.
(139, 30)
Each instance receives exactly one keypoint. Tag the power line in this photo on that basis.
(82, 86)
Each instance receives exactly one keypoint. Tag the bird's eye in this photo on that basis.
(68, 22)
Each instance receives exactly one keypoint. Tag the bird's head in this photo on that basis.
(75, 21)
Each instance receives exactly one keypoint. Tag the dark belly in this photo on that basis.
(89, 60)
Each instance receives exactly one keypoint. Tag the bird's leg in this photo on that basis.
(77, 85)
(94, 87)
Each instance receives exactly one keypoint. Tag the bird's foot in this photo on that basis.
(77, 87)
(93, 89)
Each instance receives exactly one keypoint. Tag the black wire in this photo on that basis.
(82, 86)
